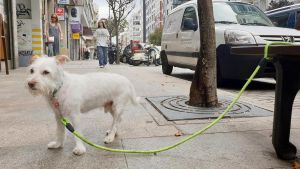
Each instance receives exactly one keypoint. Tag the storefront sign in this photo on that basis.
(63, 2)
(60, 12)
(74, 14)
(76, 36)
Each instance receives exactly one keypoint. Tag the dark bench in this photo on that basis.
(287, 63)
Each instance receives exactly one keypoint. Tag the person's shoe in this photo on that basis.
(101, 66)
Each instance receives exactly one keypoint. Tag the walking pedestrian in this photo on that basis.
(101, 35)
(54, 35)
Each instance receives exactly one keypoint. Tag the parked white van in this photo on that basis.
(236, 24)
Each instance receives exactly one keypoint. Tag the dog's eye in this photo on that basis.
(31, 71)
(45, 72)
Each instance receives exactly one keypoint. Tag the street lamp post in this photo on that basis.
(144, 21)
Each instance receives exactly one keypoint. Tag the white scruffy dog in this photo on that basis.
(69, 95)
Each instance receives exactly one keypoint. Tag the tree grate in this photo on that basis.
(176, 108)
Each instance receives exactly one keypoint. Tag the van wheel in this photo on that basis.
(166, 68)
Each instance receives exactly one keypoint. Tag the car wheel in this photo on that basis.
(166, 68)
(158, 61)
(135, 62)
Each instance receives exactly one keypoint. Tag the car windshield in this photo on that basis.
(239, 13)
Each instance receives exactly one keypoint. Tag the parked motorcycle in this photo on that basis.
(112, 54)
(147, 56)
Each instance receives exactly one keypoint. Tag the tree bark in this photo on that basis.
(121, 10)
(203, 91)
(117, 45)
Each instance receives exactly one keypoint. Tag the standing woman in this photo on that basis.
(54, 35)
(101, 35)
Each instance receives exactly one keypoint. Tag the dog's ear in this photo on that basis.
(33, 58)
(62, 59)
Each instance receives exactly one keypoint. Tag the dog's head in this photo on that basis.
(46, 74)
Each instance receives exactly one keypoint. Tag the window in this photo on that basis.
(292, 20)
(239, 13)
(280, 19)
(189, 13)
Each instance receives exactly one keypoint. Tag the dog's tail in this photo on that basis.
(134, 99)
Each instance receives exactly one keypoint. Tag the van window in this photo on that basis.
(280, 20)
(292, 20)
(190, 13)
(239, 13)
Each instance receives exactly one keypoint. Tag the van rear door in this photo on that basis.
(170, 39)
(189, 37)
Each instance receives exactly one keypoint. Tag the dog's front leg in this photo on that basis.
(60, 135)
(79, 148)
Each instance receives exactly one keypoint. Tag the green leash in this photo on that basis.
(68, 125)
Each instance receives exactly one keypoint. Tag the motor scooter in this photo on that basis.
(112, 54)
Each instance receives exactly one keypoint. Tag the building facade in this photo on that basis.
(136, 26)
(154, 15)
(76, 21)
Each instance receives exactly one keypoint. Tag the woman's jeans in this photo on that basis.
(50, 49)
(102, 55)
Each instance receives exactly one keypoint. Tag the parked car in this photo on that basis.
(236, 24)
(286, 17)
(128, 52)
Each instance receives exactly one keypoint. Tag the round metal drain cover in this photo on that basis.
(179, 103)
(176, 108)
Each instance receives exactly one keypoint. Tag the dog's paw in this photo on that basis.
(109, 139)
(54, 145)
(108, 133)
(79, 150)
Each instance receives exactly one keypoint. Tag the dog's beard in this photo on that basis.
(45, 88)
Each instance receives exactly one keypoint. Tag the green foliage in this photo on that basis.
(277, 4)
(155, 37)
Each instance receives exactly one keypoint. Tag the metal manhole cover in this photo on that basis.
(176, 108)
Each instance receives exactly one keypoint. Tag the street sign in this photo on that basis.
(60, 12)
(76, 36)
(63, 2)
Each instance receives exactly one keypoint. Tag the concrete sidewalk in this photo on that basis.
(27, 125)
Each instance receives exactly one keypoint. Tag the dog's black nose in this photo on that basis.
(31, 84)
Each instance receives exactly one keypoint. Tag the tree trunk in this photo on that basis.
(117, 46)
(203, 91)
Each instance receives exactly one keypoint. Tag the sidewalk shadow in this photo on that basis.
(233, 84)
(254, 85)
